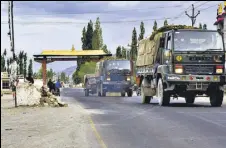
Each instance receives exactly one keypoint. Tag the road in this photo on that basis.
(122, 122)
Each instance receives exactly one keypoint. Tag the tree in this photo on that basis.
(63, 76)
(25, 65)
(97, 40)
(8, 63)
(204, 27)
(30, 67)
(165, 23)
(155, 27)
(50, 73)
(105, 49)
(2, 63)
(142, 31)
(118, 52)
(133, 51)
(200, 26)
(20, 60)
(123, 52)
(84, 39)
(89, 35)
(5, 53)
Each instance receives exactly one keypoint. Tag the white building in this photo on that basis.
(5, 82)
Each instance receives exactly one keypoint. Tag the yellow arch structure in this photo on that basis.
(48, 56)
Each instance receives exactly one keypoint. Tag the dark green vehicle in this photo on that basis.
(191, 63)
(114, 75)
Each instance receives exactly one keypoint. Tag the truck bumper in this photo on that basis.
(111, 86)
(194, 82)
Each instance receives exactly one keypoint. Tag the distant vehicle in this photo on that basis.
(114, 75)
(90, 84)
(181, 61)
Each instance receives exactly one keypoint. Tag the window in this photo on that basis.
(5, 84)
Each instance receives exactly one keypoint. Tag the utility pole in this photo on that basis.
(193, 17)
(13, 75)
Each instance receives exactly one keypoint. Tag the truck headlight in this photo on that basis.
(178, 69)
(219, 69)
(128, 79)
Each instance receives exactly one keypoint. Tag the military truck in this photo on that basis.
(90, 84)
(190, 63)
(114, 75)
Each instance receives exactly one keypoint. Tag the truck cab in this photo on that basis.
(192, 63)
(114, 76)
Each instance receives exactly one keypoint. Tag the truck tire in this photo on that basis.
(163, 96)
(190, 98)
(130, 93)
(145, 99)
(123, 94)
(216, 98)
(86, 92)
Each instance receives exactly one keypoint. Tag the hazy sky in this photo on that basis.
(58, 25)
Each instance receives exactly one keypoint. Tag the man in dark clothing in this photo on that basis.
(157, 63)
(50, 85)
(30, 79)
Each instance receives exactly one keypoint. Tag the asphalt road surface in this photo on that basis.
(123, 122)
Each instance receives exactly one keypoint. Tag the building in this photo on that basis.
(5, 82)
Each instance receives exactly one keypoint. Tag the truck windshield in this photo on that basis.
(197, 41)
(117, 64)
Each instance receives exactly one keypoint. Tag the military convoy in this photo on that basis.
(190, 63)
(175, 61)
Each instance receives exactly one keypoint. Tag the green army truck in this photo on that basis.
(191, 62)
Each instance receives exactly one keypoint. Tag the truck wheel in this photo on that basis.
(145, 99)
(87, 92)
(130, 93)
(163, 96)
(123, 94)
(216, 98)
(190, 98)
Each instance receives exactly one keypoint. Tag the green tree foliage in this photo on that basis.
(87, 68)
(30, 67)
(155, 27)
(63, 77)
(119, 52)
(89, 36)
(21, 62)
(105, 49)
(133, 51)
(200, 25)
(25, 65)
(84, 39)
(49, 73)
(8, 63)
(123, 52)
(165, 23)
(142, 31)
(204, 27)
(2, 63)
(97, 40)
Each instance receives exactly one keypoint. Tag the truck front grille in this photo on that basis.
(199, 69)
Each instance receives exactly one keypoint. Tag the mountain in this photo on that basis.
(69, 70)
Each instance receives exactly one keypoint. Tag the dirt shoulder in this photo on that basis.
(45, 127)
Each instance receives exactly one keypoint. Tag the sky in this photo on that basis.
(58, 25)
